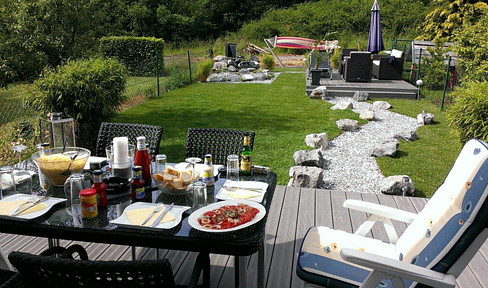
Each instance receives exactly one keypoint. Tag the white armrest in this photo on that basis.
(387, 267)
(380, 210)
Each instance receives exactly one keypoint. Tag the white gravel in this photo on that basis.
(350, 164)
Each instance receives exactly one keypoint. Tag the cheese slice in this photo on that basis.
(243, 194)
(7, 207)
(137, 216)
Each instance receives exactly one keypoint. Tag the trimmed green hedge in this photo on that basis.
(139, 54)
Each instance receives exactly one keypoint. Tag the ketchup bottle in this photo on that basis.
(142, 159)
(100, 187)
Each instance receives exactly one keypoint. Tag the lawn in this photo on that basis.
(280, 113)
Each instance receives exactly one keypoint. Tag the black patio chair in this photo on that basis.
(388, 67)
(109, 130)
(218, 142)
(50, 272)
(358, 67)
(346, 52)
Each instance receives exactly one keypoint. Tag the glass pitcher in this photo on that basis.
(72, 188)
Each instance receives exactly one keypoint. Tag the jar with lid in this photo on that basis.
(88, 199)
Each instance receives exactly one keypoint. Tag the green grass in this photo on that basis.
(280, 114)
(428, 160)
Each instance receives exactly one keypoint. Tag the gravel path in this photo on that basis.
(350, 164)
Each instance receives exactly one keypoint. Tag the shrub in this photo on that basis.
(469, 113)
(87, 90)
(204, 69)
(143, 56)
(334, 59)
(268, 62)
(434, 70)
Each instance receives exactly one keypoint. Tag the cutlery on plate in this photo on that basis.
(36, 202)
(156, 222)
(243, 188)
(156, 210)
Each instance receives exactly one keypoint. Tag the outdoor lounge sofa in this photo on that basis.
(388, 67)
(358, 67)
(434, 249)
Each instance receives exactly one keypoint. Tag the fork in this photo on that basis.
(156, 210)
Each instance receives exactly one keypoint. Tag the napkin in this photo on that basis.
(137, 216)
(242, 194)
(6, 207)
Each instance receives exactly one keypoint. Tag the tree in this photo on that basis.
(450, 16)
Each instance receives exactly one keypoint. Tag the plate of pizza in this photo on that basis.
(227, 216)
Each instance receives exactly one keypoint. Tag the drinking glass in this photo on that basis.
(160, 164)
(7, 181)
(72, 188)
(233, 167)
(199, 196)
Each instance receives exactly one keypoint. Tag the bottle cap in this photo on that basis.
(141, 143)
(136, 168)
(97, 172)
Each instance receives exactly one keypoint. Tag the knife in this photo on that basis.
(156, 210)
(156, 222)
(38, 201)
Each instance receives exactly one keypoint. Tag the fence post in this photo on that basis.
(418, 68)
(189, 63)
(393, 43)
(445, 82)
(157, 71)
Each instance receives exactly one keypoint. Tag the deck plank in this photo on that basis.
(323, 208)
(282, 261)
(340, 215)
(306, 219)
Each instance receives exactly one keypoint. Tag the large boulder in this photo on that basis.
(360, 96)
(398, 185)
(309, 158)
(348, 125)
(260, 76)
(387, 148)
(407, 136)
(305, 176)
(247, 77)
(219, 58)
(232, 69)
(342, 105)
(219, 65)
(425, 118)
(216, 77)
(367, 114)
(381, 105)
(319, 93)
(317, 141)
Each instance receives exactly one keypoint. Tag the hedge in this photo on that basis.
(143, 56)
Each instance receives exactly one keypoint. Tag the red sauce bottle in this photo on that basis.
(142, 159)
(100, 187)
(137, 192)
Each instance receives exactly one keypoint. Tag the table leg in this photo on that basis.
(261, 259)
(133, 252)
(52, 242)
(240, 263)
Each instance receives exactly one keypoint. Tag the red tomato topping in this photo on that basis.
(228, 216)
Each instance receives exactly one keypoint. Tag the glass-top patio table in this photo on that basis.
(58, 224)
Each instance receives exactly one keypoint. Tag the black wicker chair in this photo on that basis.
(218, 142)
(110, 130)
(50, 272)
(358, 67)
(387, 67)
(346, 52)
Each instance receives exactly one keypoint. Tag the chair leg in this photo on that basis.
(133, 252)
(4, 263)
(261, 259)
(373, 279)
(240, 263)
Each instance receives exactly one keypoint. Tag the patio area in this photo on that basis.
(292, 212)
(337, 87)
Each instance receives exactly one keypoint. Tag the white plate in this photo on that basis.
(244, 185)
(193, 218)
(176, 211)
(18, 178)
(49, 204)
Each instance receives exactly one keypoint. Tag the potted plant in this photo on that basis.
(319, 56)
(316, 71)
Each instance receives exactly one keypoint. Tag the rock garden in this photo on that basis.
(240, 70)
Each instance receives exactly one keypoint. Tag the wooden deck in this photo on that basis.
(292, 212)
(337, 87)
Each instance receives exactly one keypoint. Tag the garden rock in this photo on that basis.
(387, 148)
(347, 125)
(407, 136)
(366, 114)
(216, 77)
(219, 58)
(219, 65)
(425, 118)
(232, 69)
(383, 105)
(308, 158)
(319, 93)
(317, 141)
(342, 105)
(247, 77)
(260, 76)
(304, 176)
(360, 96)
(398, 185)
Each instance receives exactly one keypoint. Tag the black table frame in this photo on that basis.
(241, 243)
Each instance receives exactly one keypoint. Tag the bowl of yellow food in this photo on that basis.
(57, 165)
(173, 180)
